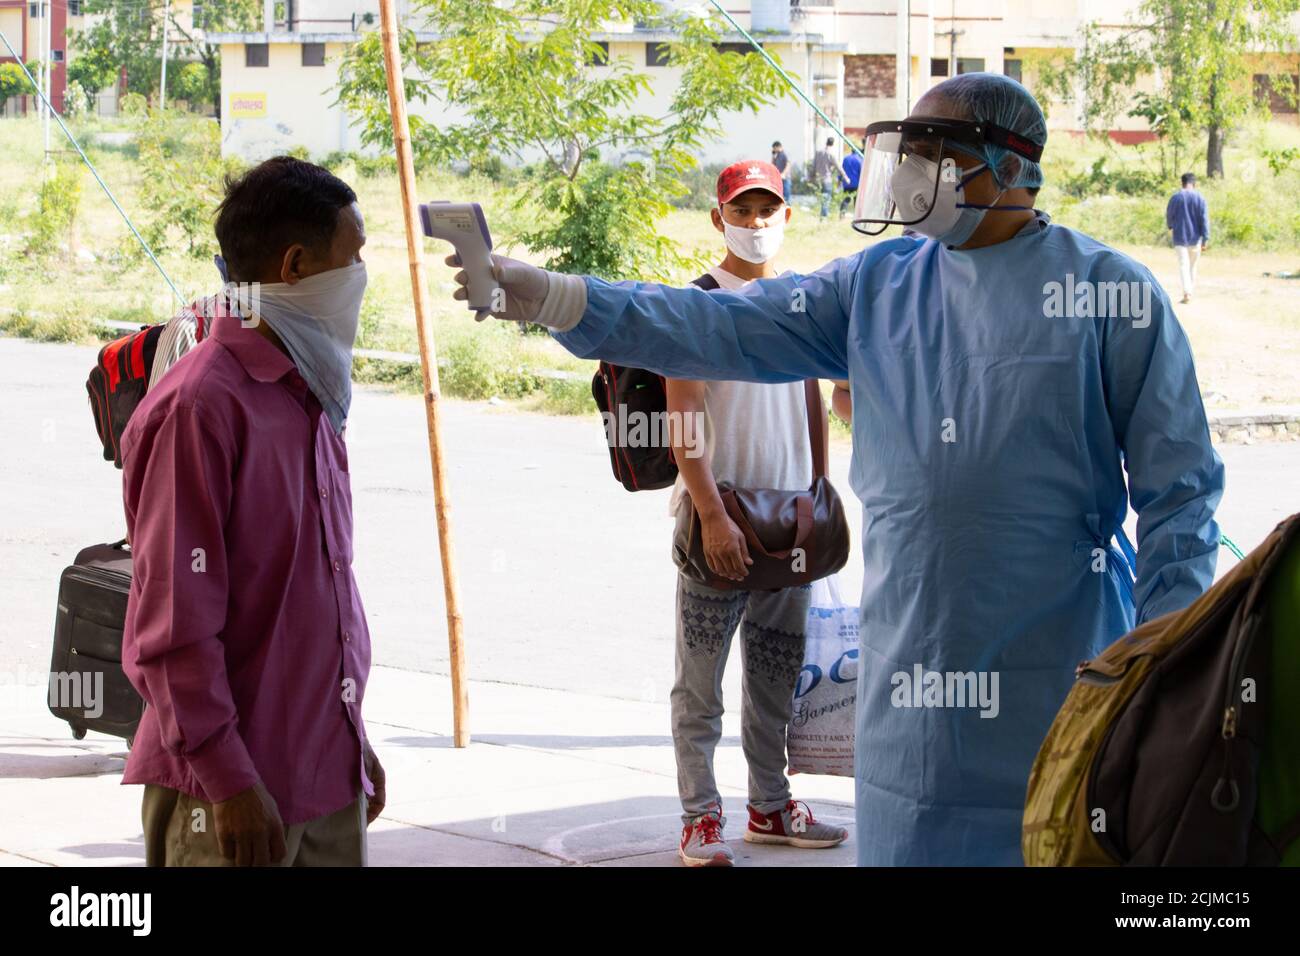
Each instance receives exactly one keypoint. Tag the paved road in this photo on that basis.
(566, 578)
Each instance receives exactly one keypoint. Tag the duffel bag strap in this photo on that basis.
(816, 427)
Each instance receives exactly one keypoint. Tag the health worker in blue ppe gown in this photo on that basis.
(1015, 385)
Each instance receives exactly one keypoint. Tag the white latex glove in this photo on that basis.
(550, 299)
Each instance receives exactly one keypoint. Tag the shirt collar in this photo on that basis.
(1040, 221)
(261, 359)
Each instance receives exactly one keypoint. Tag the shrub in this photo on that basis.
(1099, 181)
(567, 396)
(68, 326)
(133, 104)
(369, 167)
(470, 372)
(182, 180)
(336, 160)
(701, 187)
(57, 203)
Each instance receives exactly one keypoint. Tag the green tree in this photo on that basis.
(1201, 50)
(192, 83)
(93, 67)
(126, 35)
(601, 174)
(130, 35)
(181, 182)
(12, 82)
(227, 16)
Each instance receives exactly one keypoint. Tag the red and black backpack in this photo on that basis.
(120, 378)
(620, 390)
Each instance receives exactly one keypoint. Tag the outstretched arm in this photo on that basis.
(776, 330)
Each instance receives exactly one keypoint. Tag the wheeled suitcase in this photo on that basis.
(88, 687)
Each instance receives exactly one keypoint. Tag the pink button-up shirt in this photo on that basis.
(245, 633)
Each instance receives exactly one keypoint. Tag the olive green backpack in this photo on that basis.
(1180, 744)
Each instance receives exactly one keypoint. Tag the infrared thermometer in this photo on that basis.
(462, 224)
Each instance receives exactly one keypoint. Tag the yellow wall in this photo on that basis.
(297, 97)
(299, 111)
(11, 22)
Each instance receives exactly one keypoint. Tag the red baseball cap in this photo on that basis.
(749, 174)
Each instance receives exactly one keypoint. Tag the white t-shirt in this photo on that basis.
(755, 436)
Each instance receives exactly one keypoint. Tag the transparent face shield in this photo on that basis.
(875, 209)
(890, 144)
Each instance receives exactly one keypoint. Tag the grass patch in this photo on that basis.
(1244, 328)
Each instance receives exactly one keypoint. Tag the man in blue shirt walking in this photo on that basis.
(852, 167)
(1189, 219)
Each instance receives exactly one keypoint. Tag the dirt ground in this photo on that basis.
(1244, 326)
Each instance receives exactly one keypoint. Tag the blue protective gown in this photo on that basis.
(992, 424)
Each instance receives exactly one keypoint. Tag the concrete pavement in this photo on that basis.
(552, 778)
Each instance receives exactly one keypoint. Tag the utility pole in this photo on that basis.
(44, 7)
(953, 33)
(903, 66)
(162, 92)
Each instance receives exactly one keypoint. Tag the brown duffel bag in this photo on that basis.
(794, 537)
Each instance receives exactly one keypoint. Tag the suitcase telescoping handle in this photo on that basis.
(123, 545)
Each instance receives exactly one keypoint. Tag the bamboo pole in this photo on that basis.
(428, 364)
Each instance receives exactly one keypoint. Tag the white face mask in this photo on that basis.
(912, 188)
(754, 245)
(317, 320)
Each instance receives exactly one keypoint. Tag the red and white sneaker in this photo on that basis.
(793, 825)
(702, 843)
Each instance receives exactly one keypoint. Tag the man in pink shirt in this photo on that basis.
(245, 633)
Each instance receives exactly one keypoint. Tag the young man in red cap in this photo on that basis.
(757, 437)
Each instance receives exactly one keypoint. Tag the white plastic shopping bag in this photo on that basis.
(820, 736)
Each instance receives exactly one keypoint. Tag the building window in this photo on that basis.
(56, 56)
(74, 8)
(656, 54)
(970, 64)
(34, 11)
(256, 54)
(741, 48)
(1279, 91)
(1012, 69)
(599, 57)
(196, 16)
(313, 54)
(938, 66)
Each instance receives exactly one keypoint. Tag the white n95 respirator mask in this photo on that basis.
(947, 217)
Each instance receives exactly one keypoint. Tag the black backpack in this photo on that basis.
(621, 392)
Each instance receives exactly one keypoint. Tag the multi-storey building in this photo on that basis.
(277, 83)
(22, 22)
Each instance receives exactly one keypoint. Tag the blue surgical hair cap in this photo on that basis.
(994, 98)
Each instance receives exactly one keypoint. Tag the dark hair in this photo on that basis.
(830, 140)
(275, 204)
(1189, 178)
(777, 144)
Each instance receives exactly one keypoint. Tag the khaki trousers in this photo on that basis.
(180, 830)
